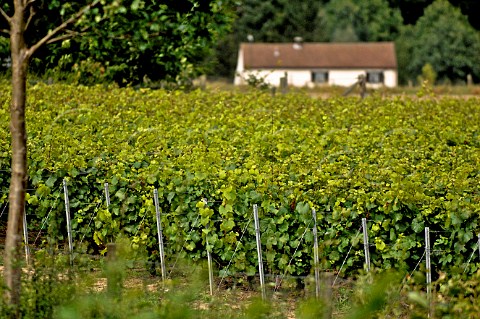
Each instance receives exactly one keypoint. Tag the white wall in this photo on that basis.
(349, 77)
(390, 78)
(239, 71)
(294, 77)
(301, 78)
(344, 77)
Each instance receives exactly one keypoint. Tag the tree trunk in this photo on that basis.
(18, 183)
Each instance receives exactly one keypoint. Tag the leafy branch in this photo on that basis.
(6, 16)
(52, 36)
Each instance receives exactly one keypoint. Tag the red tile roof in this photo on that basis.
(319, 55)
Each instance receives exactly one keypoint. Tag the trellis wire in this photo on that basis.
(343, 263)
(4, 208)
(418, 264)
(409, 275)
(88, 226)
(234, 252)
(183, 246)
(140, 224)
(473, 253)
(45, 219)
(478, 245)
(293, 255)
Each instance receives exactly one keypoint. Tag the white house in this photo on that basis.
(311, 64)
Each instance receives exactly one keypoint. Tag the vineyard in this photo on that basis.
(403, 164)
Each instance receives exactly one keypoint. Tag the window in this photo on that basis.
(6, 62)
(320, 76)
(375, 77)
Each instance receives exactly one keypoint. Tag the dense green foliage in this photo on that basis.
(351, 21)
(403, 164)
(126, 41)
(54, 289)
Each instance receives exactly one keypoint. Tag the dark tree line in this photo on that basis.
(173, 40)
(437, 32)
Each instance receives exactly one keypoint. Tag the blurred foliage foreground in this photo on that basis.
(51, 288)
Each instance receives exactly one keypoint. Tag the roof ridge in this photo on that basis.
(319, 55)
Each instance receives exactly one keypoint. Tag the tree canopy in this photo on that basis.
(129, 41)
(356, 20)
(443, 38)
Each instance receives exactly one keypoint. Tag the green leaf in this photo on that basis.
(43, 190)
(303, 208)
(227, 225)
(229, 194)
(135, 5)
(456, 220)
(51, 181)
(120, 194)
(418, 226)
(223, 210)
(170, 196)
(151, 179)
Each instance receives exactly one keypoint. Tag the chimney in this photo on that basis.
(297, 43)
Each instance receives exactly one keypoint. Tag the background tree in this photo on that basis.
(470, 8)
(266, 21)
(21, 52)
(321, 21)
(443, 38)
(276, 20)
(404, 48)
(133, 41)
(411, 10)
(356, 20)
